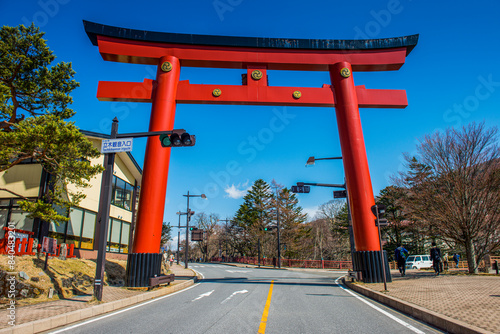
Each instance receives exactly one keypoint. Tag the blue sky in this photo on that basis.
(452, 78)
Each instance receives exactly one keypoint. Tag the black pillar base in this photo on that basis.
(370, 266)
(141, 267)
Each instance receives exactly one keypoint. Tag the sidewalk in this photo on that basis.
(455, 302)
(45, 316)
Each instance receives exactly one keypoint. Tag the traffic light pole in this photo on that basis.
(349, 218)
(103, 219)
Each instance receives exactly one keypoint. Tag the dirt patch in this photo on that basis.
(67, 278)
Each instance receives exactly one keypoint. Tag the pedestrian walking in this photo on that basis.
(171, 259)
(456, 259)
(400, 255)
(436, 258)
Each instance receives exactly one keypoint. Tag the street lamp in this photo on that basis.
(188, 217)
(311, 160)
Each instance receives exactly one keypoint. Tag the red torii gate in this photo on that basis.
(169, 52)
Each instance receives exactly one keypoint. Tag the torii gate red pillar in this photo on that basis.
(359, 185)
(157, 158)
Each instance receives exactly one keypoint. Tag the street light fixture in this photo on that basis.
(188, 217)
(311, 160)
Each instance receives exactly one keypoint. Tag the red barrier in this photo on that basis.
(293, 263)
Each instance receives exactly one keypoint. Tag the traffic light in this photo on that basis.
(269, 228)
(176, 140)
(381, 221)
(193, 228)
(301, 189)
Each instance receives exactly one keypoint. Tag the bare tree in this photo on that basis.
(402, 227)
(336, 242)
(453, 185)
(209, 245)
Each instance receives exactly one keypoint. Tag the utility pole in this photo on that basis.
(186, 250)
(178, 237)
(278, 228)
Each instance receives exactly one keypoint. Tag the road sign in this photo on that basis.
(49, 246)
(340, 194)
(197, 235)
(117, 145)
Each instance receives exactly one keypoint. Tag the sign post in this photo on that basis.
(49, 246)
(104, 203)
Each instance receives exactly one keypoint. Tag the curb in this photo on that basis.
(93, 311)
(435, 319)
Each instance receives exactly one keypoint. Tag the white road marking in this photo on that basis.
(125, 309)
(206, 294)
(405, 324)
(234, 293)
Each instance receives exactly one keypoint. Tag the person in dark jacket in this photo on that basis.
(456, 258)
(400, 255)
(435, 257)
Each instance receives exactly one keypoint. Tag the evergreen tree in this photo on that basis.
(166, 233)
(291, 218)
(252, 217)
(34, 104)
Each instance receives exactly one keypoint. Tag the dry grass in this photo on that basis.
(67, 277)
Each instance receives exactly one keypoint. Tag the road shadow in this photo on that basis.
(323, 282)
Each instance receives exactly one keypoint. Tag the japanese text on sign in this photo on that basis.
(116, 145)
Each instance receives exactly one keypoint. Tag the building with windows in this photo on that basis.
(30, 180)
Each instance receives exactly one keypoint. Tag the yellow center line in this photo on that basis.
(263, 321)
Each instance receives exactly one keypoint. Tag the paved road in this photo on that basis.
(238, 300)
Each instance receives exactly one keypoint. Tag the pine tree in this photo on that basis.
(291, 219)
(34, 107)
(253, 216)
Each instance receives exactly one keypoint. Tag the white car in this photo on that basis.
(418, 262)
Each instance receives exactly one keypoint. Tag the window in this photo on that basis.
(74, 227)
(78, 231)
(118, 235)
(125, 236)
(418, 258)
(122, 193)
(88, 230)
(3, 221)
(58, 230)
(16, 215)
